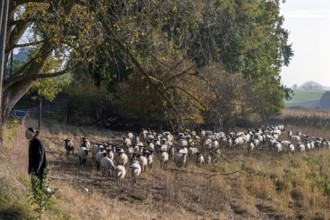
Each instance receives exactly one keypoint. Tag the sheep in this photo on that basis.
(121, 158)
(295, 138)
(278, 147)
(291, 148)
(144, 134)
(127, 142)
(208, 159)
(149, 157)
(249, 146)
(69, 146)
(119, 174)
(192, 151)
(143, 162)
(164, 157)
(83, 153)
(180, 159)
(94, 150)
(135, 170)
(106, 165)
(110, 153)
(199, 159)
(300, 147)
(85, 143)
(98, 156)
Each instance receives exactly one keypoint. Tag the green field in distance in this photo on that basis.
(306, 98)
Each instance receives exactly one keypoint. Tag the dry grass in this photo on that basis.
(267, 186)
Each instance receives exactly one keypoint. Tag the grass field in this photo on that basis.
(260, 185)
(306, 98)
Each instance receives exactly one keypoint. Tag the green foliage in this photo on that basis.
(158, 42)
(86, 101)
(167, 104)
(231, 101)
(50, 87)
(41, 198)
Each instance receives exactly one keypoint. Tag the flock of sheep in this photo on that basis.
(137, 152)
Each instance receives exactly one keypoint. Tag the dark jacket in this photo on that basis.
(37, 156)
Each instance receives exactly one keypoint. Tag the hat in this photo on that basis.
(32, 130)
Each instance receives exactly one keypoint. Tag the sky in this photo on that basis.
(308, 22)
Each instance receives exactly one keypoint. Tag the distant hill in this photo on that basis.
(306, 98)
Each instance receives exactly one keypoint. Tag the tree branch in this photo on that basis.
(33, 77)
(186, 92)
(24, 45)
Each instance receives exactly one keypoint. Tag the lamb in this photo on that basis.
(135, 170)
(69, 146)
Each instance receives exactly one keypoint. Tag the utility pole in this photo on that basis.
(3, 33)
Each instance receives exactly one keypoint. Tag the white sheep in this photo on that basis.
(106, 165)
(83, 153)
(249, 146)
(180, 159)
(295, 138)
(135, 170)
(85, 143)
(143, 162)
(149, 157)
(278, 147)
(301, 147)
(127, 142)
(94, 150)
(291, 148)
(121, 158)
(98, 156)
(119, 174)
(164, 157)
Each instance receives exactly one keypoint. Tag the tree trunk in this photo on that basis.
(3, 32)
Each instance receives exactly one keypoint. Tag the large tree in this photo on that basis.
(165, 44)
(62, 29)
